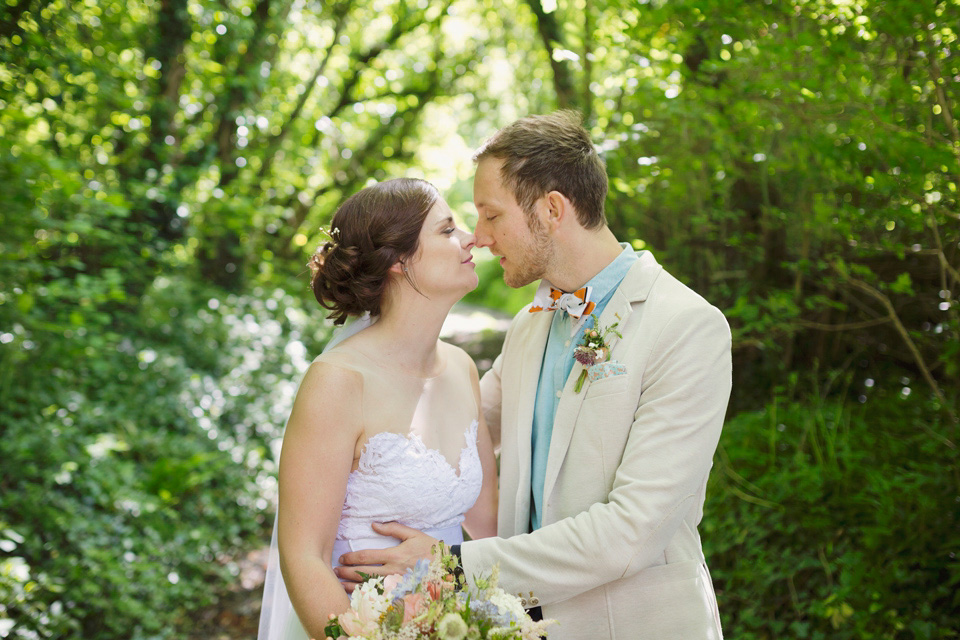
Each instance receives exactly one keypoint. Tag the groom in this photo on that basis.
(601, 485)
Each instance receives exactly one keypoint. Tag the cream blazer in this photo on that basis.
(618, 555)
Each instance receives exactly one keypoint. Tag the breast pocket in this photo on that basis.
(606, 387)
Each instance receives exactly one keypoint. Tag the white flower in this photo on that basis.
(506, 602)
(535, 630)
(406, 632)
(367, 603)
(452, 627)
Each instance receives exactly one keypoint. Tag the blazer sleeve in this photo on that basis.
(667, 458)
(490, 400)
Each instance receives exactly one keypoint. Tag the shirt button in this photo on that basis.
(567, 343)
(559, 393)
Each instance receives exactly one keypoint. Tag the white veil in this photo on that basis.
(276, 609)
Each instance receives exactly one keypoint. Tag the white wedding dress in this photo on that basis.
(398, 478)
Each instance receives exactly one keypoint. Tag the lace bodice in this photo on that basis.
(400, 479)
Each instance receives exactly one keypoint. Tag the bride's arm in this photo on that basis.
(481, 520)
(318, 451)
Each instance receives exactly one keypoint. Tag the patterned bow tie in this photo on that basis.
(549, 298)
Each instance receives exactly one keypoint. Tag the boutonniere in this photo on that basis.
(594, 348)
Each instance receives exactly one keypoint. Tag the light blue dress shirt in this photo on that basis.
(557, 365)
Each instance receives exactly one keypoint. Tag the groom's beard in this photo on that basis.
(533, 256)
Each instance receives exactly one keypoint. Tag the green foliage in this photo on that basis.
(797, 163)
(834, 519)
(139, 461)
(165, 169)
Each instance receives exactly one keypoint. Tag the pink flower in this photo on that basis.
(413, 605)
(436, 589)
(355, 626)
(390, 582)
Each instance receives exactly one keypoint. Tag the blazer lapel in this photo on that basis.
(635, 288)
(531, 361)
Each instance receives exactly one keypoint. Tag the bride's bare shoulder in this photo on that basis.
(332, 374)
(324, 400)
(459, 358)
(340, 356)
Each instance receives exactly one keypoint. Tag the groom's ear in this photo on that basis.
(556, 209)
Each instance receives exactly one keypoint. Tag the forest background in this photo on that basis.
(166, 167)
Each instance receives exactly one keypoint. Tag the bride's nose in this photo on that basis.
(468, 240)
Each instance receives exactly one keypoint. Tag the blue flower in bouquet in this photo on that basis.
(411, 580)
(487, 609)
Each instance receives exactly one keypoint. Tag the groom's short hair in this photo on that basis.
(552, 152)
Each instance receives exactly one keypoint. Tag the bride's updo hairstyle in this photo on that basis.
(371, 231)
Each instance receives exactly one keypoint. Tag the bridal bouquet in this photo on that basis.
(424, 604)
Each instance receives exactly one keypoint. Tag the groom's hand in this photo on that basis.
(414, 545)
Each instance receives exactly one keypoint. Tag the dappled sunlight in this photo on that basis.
(166, 170)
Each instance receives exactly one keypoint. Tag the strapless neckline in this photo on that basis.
(398, 478)
(416, 441)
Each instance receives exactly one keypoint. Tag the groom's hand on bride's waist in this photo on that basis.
(414, 545)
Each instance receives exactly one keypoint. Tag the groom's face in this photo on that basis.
(504, 227)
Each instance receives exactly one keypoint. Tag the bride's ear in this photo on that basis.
(398, 268)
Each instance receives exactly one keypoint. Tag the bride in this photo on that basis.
(386, 425)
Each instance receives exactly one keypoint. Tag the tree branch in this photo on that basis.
(884, 300)
(273, 144)
(360, 62)
(937, 77)
(847, 326)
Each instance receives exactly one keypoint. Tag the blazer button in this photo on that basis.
(534, 600)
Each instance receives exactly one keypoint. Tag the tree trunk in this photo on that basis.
(552, 36)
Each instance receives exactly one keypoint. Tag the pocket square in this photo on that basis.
(607, 369)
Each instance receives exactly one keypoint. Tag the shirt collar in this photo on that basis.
(611, 275)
